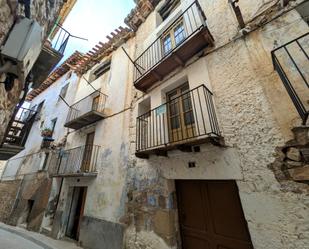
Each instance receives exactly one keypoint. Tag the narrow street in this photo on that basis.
(13, 241)
(19, 238)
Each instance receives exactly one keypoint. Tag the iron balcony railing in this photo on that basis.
(61, 40)
(93, 102)
(188, 117)
(192, 20)
(291, 61)
(78, 160)
(19, 127)
(16, 168)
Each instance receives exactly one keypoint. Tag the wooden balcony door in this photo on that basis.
(96, 103)
(87, 156)
(180, 114)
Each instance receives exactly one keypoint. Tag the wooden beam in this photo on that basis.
(178, 60)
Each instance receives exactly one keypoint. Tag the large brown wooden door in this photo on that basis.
(211, 216)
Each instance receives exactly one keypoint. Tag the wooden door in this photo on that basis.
(180, 114)
(96, 103)
(87, 156)
(76, 212)
(211, 215)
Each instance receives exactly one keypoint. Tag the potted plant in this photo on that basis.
(47, 133)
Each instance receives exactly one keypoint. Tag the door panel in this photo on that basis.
(211, 215)
(87, 157)
(180, 114)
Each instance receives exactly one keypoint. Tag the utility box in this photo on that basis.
(23, 47)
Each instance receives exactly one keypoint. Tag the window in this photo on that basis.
(100, 70)
(53, 124)
(167, 44)
(174, 37)
(63, 91)
(39, 111)
(179, 33)
(168, 8)
(45, 160)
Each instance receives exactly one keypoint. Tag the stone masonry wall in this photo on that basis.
(256, 117)
(8, 192)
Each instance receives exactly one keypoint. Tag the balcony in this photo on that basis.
(51, 54)
(16, 133)
(80, 161)
(184, 121)
(184, 38)
(86, 111)
(291, 61)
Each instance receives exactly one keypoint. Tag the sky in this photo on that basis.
(94, 20)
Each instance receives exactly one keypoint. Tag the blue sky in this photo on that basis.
(94, 20)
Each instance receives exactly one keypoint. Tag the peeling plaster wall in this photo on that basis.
(106, 193)
(45, 14)
(255, 115)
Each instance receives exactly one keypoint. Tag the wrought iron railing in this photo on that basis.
(17, 167)
(188, 117)
(82, 159)
(61, 40)
(93, 102)
(291, 61)
(19, 127)
(192, 19)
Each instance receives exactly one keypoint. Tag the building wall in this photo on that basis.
(250, 100)
(106, 194)
(45, 14)
(29, 166)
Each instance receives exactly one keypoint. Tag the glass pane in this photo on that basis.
(189, 119)
(179, 33)
(175, 124)
(187, 103)
(167, 44)
(174, 108)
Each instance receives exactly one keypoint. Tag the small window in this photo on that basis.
(100, 70)
(40, 107)
(63, 91)
(173, 37)
(168, 8)
(53, 124)
(45, 160)
(39, 111)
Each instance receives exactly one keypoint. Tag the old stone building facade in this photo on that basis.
(47, 15)
(188, 130)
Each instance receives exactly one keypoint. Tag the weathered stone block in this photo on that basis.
(292, 164)
(100, 234)
(164, 223)
(300, 174)
(293, 154)
(301, 134)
